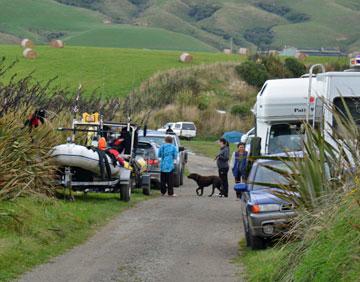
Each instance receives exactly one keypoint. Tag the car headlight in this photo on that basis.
(265, 208)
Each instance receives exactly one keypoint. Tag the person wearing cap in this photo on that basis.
(168, 154)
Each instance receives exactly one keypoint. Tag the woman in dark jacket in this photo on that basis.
(222, 162)
(239, 165)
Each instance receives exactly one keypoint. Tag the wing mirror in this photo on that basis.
(241, 187)
(181, 149)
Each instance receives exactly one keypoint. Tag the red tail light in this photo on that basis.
(154, 162)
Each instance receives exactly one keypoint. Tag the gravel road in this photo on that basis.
(188, 238)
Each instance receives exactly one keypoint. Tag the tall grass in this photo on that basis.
(25, 166)
(326, 181)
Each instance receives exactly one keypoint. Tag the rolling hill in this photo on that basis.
(43, 20)
(208, 24)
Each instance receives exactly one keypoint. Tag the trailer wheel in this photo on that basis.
(125, 191)
(147, 189)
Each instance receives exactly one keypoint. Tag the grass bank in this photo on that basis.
(33, 230)
(208, 148)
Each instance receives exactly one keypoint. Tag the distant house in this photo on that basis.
(243, 51)
(289, 52)
(227, 51)
(323, 52)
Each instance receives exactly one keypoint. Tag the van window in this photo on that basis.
(178, 126)
(353, 106)
(285, 138)
(188, 126)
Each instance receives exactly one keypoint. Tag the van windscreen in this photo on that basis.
(285, 138)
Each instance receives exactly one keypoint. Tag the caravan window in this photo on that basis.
(285, 138)
(351, 104)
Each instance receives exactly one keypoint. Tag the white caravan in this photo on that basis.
(283, 105)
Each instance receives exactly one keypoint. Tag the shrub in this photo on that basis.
(260, 36)
(240, 109)
(200, 12)
(295, 67)
(253, 73)
(275, 67)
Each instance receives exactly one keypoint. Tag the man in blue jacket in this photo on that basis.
(168, 154)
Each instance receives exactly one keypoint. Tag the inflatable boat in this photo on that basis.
(72, 155)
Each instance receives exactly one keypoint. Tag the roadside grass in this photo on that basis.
(209, 148)
(332, 255)
(111, 71)
(32, 230)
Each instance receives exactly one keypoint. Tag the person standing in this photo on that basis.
(222, 162)
(167, 153)
(239, 165)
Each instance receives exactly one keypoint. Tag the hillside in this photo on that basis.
(112, 71)
(112, 23)
(43, 20)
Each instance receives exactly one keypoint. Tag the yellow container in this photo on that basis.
(86, 117)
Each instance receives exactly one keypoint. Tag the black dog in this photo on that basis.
(204, 181)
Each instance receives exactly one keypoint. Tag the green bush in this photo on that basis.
(240, 109)
(275, 67)
(295, 67)
(254, 74)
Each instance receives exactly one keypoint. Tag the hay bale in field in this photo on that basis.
(26, 43)
(227, 51)
(29, 53)
(186, 58)
(57, 43)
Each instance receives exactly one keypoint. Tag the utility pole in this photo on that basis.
(231, 44)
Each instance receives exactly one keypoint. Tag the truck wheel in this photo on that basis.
(125, 192)
(147, 189)
(177, 179)
(256, 243)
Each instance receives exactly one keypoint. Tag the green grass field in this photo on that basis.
(37, 230)
(113, 71)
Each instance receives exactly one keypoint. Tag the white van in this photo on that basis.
(185, 129)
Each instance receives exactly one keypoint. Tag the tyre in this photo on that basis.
(177, 179)
(247, 235)
(182, 177)
(125, 191)
(147, 189)
(256, 243)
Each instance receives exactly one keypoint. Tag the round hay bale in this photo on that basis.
(186, 58)
(26, 43)
(29, 53)
(57, 43)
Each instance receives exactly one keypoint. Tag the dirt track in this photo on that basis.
(187, 238)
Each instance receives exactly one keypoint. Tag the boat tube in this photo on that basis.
(95, 161)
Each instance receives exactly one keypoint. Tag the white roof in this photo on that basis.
(283, 99)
